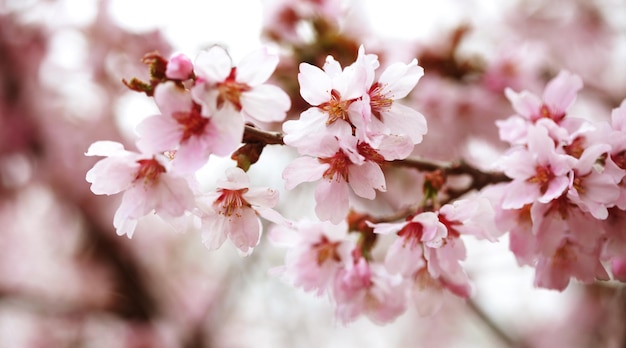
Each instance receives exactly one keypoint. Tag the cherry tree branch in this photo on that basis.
(255, 135)
(479, 177)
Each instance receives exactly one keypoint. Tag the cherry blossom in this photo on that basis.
(184, 129)
(233, 210)
(336, 166)
(145, 180)
(335, 95)
(243, 87)
(405, 255)
(558, 95)
(316, 252)
(384, 114)
(538, 172)
(368, 289)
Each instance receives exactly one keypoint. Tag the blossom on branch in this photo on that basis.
(186, 131)
(243, 87)
(233, 211)
(146, 181)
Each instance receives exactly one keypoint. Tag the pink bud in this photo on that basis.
(179, 67)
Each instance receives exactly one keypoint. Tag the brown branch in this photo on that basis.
(480, 178)
(255, 135)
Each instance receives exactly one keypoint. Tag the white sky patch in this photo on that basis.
(192, 25)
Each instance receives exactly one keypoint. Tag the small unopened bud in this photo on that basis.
(179, 67)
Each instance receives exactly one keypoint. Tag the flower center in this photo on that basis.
(230, 201)
(326, 250)
(230, 90)
(338, 165)
(193, 122)
(336, 108)
(412, 234)
(543, 176)
(545, 112)
(369, 153)
(149, 171)
(379, 102)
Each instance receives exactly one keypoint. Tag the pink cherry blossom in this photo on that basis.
(444, 265)
(243, 87)
(405, 255)
(336, 166)
(233, 210)
(316, 251)
(367, 289)
(569, 259)
(184, 129)
(472, 216)
(592, 190)
(334, 94)
(538, 172)
(384, 115)
(558, 95)
(147, 184)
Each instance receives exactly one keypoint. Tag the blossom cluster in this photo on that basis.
(562, 204)
(204, 106)
(421, 267)
(355, 123)
(565, 203)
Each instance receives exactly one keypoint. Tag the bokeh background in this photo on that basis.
(66, 278)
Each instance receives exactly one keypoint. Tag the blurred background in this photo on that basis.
(66, 278)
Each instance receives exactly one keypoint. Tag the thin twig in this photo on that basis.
(255, 135)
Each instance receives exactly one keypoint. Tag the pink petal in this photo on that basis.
(525, 103)
(158, 133)
(387, 227)
(618, 117)
(399, 79)
(261, 197)
(192, 155)
(555, 189)
(513, 129)
(266, 103)
(213, 64)
(404, 258)
(331, 199)
(124, 225)
(315, 85)
(393, 147)
(298, 132)
(171, 98)
(213, 231)
(105, 148)
(236, 179)
(244, 230)
(519, 193)
(256, 67)
(303, 169)
(403, 120)
(112, 175)
(352, 83)
(366, 178)
(560, 93)
(172, 196)
(225, 131)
